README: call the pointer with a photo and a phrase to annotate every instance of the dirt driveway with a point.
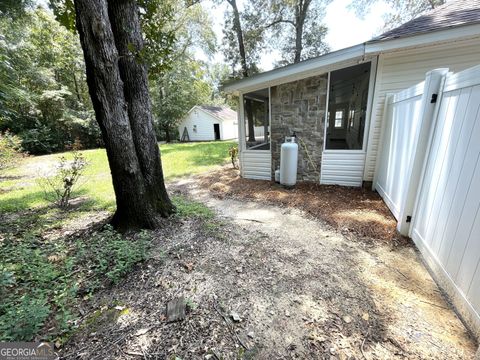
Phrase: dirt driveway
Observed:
(265, 282)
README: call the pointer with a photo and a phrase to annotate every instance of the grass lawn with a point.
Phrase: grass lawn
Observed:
(19, 189)
(51, 260)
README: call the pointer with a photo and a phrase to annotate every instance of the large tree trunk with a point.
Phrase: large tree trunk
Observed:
(127, 33)
(134, 206)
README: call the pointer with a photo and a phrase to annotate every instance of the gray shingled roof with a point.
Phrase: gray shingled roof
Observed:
(222, 112)
(452, 14)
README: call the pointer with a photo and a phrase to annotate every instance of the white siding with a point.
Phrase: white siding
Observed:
(229, 130)
(342, 168)
(204, 124)
(402, 69)
(256, 164)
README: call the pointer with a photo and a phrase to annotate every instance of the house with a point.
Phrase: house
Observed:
(206, 123)
(334, 103)
(401, 111)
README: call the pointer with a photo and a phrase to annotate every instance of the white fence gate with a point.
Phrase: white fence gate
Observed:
(429, 172)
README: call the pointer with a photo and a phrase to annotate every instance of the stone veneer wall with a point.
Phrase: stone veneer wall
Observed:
(300, 106)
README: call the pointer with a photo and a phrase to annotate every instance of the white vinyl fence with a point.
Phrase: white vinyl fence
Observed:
(428, 172)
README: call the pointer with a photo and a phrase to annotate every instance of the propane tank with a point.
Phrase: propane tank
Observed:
(288, 161)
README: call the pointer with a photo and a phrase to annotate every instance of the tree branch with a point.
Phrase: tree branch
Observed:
(276, 22)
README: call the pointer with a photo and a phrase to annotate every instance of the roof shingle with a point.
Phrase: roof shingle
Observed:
(451, 14)
(222, 112)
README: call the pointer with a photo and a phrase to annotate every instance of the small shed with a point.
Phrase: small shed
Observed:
(206, 123)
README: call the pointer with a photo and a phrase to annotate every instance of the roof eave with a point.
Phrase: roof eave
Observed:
(423, 39)
(295, 71)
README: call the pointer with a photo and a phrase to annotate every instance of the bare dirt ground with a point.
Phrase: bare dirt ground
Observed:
(353, 211)
(267, 281)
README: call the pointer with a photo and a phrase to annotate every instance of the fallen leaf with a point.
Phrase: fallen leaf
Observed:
(141, 332)
(365, 316)
(347, 319)
(188, 266)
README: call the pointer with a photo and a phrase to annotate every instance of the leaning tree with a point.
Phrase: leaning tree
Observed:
(111, 38)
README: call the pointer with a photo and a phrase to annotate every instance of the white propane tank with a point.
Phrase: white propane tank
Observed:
(288, 161)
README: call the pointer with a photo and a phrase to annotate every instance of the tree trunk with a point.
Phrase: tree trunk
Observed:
(167, 134)
(134, 208)
(300, 15)
(77, 91)
(243, 59)
(250, 120)
(127, 33)
(238, 29)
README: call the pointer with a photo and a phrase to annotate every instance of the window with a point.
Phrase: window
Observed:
(339, 119)
(256, 119)
(347, 105)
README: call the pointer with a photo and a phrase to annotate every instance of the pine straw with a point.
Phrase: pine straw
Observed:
(352, 211)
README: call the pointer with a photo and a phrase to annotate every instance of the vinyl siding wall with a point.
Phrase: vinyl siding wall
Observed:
(228, 130)
(402, 69)
(256, 164)
(204, 123)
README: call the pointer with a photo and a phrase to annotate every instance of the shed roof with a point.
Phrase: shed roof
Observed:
(221, 112)
(449, 15)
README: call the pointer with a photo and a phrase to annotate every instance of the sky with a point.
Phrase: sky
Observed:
(344, 27)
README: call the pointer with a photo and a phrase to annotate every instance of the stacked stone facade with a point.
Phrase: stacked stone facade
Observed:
(300, 107)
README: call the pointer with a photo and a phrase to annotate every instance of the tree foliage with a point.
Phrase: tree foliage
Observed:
(243, 39)
(186, 83)
(299, 27)
(43, 95)
(401, 11)
(157, 19)
(176, 93)
(293, 27)
(14, 8)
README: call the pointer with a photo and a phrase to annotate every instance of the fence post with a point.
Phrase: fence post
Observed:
(431, 97)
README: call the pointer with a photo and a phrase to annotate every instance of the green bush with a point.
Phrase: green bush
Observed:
(39, 140)
(59, 187)
(10, 149)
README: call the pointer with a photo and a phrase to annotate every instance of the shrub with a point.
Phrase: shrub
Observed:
(59, 187)
(10, 149)
(233, 152)
(39, 140)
